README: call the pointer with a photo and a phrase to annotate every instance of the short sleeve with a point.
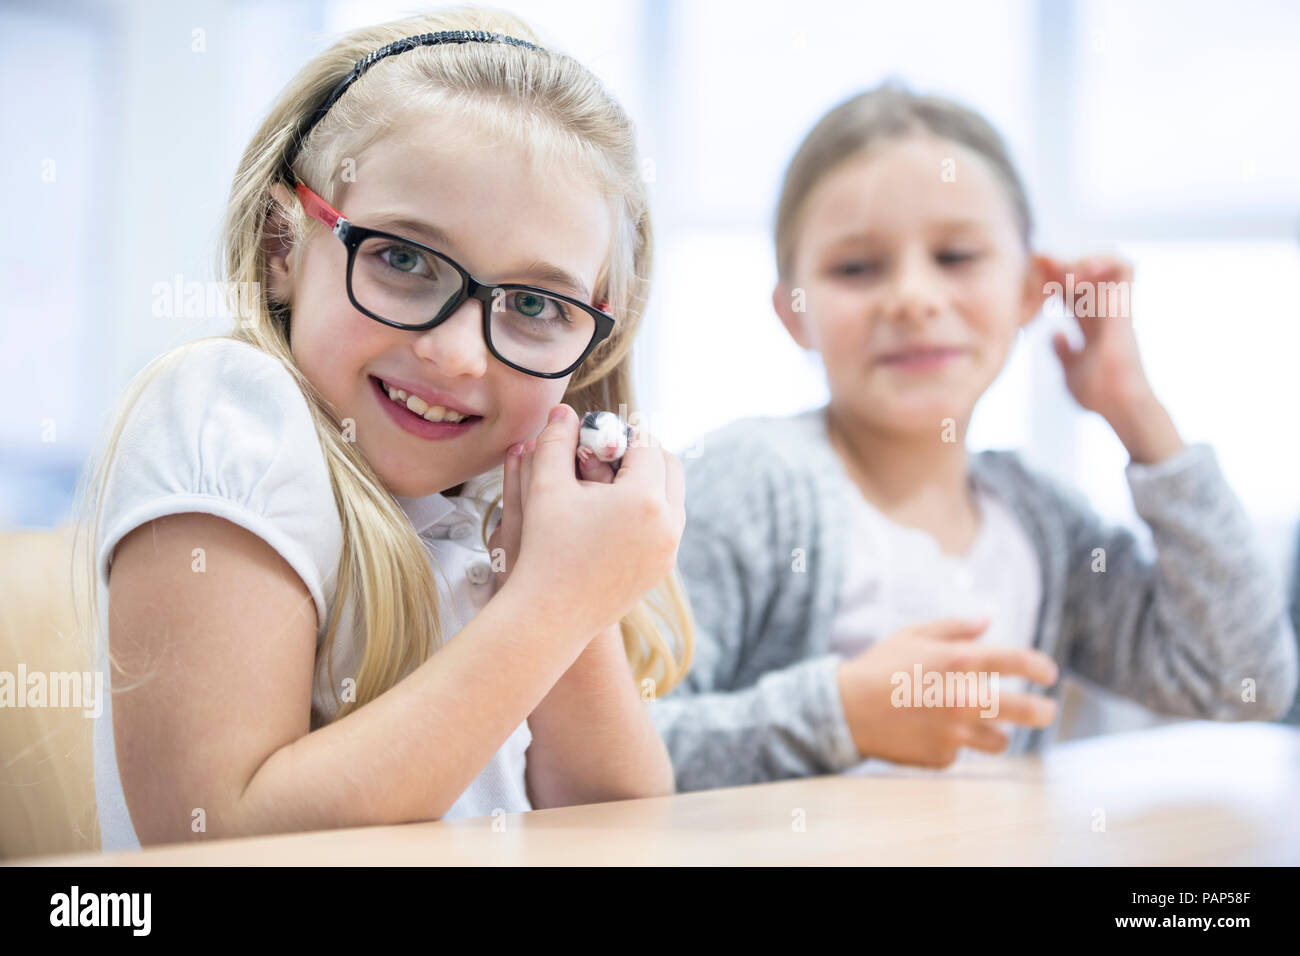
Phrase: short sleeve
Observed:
(223, 429)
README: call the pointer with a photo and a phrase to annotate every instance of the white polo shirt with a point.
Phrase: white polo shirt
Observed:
(225, 430)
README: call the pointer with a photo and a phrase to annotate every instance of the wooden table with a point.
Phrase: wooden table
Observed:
(1193, 793)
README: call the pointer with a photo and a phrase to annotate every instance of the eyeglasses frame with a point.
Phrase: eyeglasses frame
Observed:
(352, 235)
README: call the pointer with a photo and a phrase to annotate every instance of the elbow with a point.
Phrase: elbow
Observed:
(667, 775)
(658, 781)
(667, 785)
(1278, 688)
(202, 823)
(1279, 677)
(662, 783)
(1265, 688)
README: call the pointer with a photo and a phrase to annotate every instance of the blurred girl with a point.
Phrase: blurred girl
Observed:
(851, 556)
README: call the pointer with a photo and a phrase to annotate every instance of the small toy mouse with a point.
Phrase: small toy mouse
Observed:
(603, 436)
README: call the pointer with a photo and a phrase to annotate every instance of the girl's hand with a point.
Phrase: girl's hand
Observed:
(933, 736)
(507, 533)
(590, 549)
(1106, 375)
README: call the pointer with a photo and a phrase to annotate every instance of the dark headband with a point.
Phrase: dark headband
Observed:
(397, 46)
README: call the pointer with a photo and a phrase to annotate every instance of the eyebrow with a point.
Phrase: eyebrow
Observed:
(946, 225)
(539, 270)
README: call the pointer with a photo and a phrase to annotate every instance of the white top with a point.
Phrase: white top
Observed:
(225, 430)
(896, 576)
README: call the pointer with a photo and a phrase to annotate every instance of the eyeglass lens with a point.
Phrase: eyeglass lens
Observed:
(409, 286)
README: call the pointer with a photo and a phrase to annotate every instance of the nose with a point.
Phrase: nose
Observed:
(456, 344)
(913, 294)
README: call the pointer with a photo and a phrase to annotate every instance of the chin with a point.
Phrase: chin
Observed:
(911, 416)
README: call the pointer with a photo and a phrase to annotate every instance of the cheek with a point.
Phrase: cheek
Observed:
(331, 341)
(523, 402)
(843, 327)
(332, 344)
(991, 307)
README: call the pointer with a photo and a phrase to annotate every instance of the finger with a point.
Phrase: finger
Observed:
(1015, 661)
(640, 438)
(1061, 346)
(1030, 710)
(526, 465)
(509, 530)
(984, 735)
(556, 447)
(1051, 270)
(949, 628)
(512, 497)
(1109, 268)
(643, 462)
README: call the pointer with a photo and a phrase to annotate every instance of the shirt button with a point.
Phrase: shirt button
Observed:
(462, 530)
(479, 572)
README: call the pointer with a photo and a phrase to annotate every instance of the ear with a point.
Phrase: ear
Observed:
(783, 303)
(1039, 270)
(278, 245)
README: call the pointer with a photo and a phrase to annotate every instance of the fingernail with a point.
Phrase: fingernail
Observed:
(557, 413)
(514, 450)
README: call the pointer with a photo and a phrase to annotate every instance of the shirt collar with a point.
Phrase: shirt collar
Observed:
(427, 511)
(437, 508)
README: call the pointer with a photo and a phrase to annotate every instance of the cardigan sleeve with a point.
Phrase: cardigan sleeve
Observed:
(734, 559)
(1201, 630)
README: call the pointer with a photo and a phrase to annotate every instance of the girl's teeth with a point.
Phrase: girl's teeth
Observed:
(434, 413)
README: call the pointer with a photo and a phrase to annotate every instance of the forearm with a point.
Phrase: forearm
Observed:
(408, 754)
(1146, 429)
(592, 738)
(790, 724)
(1182, 633)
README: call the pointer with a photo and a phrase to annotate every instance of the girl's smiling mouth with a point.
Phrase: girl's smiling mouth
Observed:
(921, 358)
(424, 425)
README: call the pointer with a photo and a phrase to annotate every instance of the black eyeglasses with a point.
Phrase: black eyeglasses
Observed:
(401, 282)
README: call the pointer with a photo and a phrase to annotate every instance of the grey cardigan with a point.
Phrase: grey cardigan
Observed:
(761, 699)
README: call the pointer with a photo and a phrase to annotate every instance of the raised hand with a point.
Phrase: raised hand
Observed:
(1106, 375)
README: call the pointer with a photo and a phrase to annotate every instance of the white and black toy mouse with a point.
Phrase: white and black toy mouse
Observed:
(604, 437)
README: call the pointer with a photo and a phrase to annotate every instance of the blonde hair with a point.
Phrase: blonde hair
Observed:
(556, 109)
(861, 122)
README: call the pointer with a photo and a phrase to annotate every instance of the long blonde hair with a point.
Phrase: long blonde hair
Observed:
(553, 107)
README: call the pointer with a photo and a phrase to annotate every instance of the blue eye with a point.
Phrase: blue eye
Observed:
(543, 308)
(405, 259)
(530, 305)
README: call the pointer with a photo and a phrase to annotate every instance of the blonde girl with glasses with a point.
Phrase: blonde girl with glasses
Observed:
(292, 522)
